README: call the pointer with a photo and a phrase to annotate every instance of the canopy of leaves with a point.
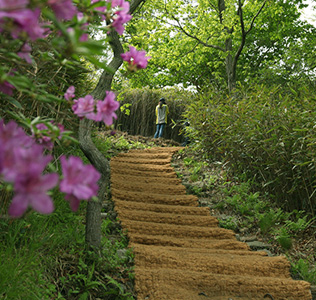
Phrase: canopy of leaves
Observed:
(187, 41)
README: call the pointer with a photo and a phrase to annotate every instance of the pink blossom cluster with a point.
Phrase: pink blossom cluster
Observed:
(22, 163)
(120, 15)
(80, 181)
(136, 59)
(97, 110)
(6, 87)
(23, 23)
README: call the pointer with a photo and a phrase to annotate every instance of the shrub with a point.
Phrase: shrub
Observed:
(267, 134)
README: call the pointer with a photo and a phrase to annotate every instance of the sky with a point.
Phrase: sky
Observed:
(308, 13)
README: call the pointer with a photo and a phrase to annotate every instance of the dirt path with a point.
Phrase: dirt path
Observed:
(180, 252)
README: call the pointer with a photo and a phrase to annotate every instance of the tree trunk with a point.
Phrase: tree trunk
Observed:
(97, 159)
(93, 215)
(229, 62)
(230, 70)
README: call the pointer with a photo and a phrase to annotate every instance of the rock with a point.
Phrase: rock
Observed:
(248, 239)
(121, 253)
(256, 245)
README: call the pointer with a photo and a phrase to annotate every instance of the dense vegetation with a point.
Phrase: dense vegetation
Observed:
(241, 72)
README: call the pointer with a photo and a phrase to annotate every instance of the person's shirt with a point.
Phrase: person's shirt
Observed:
(161, 114)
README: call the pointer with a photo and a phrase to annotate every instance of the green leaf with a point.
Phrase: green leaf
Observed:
(14, 102)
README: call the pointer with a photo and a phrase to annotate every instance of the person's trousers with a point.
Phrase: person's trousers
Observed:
(159, 130)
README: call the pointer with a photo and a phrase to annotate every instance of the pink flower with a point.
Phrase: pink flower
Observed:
(43, 136)
(85, 36)
(31, 190)
(25, 53)
(136, 59)
(61, 130)
(13, 141)
(70, 93)
(22, 163)
(120, 19)
(6, 88)
(122, 4)
(121, 16)
(13, 4)
(24, 21)
(102, 9)
(25, 162)
(79, 182)
(106, 108)
(46, 136)
(63, 9)
(84, 107)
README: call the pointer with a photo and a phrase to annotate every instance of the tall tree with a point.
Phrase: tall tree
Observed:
(205, 41)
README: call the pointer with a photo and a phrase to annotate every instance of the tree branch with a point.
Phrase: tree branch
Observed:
(195, 37)
(243, 31)
(255, 17)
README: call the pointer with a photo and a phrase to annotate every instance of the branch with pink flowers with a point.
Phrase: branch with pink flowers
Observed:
(24, 157)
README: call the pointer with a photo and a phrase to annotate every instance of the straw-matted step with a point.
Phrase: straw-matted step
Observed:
(141, 167)
(164, 208)
(141, 173)
(147, 180)
(180, 252)
(171, 241)
(167, 284)
(142, 160)
(158, 188)
(148, 197)
(177, 230)
(213, 263)
(157, 217)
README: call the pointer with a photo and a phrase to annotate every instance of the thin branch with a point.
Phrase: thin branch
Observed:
(195, 37)
(255, 17)
(190, 51)
(243, 31)
(213, 6)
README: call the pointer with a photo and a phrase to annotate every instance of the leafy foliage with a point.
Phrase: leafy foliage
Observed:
(188, 43)
(267, 134)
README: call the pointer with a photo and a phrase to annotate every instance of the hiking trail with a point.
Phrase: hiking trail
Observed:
(180, 251)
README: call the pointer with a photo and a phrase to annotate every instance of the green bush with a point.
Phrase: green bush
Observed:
(265, 133)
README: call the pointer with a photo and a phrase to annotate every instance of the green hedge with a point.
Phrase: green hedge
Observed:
(268, 134)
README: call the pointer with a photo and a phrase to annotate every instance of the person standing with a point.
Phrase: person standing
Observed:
(162, 112)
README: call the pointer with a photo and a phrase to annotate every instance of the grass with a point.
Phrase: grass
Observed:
(30, 248)
(44, 257)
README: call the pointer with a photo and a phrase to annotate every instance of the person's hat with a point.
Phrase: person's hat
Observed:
(162, 100)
